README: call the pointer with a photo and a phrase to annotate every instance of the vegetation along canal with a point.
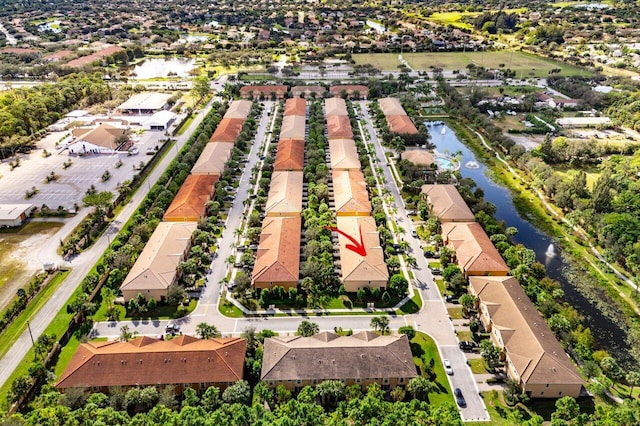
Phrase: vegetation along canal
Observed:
(606, 333)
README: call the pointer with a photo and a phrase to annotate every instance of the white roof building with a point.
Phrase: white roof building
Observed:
(14, 214)
(145, 103)
(161, 120)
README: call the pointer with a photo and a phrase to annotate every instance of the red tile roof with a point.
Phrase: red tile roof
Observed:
(189, 204)
(295, 106)
(228, 130)
(148, 362)
(290, 155)
(339, 127)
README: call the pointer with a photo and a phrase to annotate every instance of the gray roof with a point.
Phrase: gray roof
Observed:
(327, 356)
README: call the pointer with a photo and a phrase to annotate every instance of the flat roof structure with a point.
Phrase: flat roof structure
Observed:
(327, 356)
(228, 130)
(447, 204)
(350, 193)
(278, 256)
(156, 267)
(419, 157)
(290, 155)
(14, 214)
(391, 106)
(344, 154)
(293, 127)
(213, 159)
(238, 109)
(190, 203)
(583, 121)
(160, 120)
(145, 102)
(339, 127)
(401, 124)
(295, 106)
(475, 253)
(335, 106)
(285, 194)
(358, 271)
(145, 361)
(534, 356)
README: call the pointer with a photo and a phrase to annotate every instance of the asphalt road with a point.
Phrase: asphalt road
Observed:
(83, 263)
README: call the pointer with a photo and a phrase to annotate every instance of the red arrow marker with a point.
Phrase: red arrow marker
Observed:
(355, 247)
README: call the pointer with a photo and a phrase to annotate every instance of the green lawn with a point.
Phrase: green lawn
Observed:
(228, 309)
(17, 327)
(441, 286)
(465, 335)
(424, 349)
(477, 366)
(186, 125)
(453, 19)
(161, 312)
(412, 306)
(521, 63)
(455, 313)
(382, 61)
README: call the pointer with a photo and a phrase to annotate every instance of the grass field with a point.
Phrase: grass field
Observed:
(521, 63)
(424, 349)
(382, 61)
(453, 19)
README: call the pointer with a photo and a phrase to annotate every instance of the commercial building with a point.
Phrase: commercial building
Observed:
(361, 359)
(14, 214)
(145, 103)
(161, 120)
(181, 362)
(103, 139)
(278, 256)
(157, 266)
(533, 355)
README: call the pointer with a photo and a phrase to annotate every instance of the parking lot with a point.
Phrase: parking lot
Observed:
(73, 181)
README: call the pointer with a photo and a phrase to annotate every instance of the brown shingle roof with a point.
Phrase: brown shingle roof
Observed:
(295, 106)
(391, 106)
(344, 154)
(350, 89)
(339, 127)
(238, 109)
(475, 252)
(228, 130)
(213, 158)
(355, 267)
(148, 362)
(335, 106)
(156, 266)
(278, 256)
(189, 204)
(327, 356)
(104, 135)
(285, 194)
(419, 157)
(531, 346)
(401, 124)
(290, 155)
(293, 127)
(447, 203)
(350, 193)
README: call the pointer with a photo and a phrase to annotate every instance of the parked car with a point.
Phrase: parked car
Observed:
(466, 345)
(172, 328)
(436, 271)
(459, 398)
(451, 299)
(414, 233)
(447, 367)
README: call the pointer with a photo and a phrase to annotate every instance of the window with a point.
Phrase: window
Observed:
(401, 380)
(298, 382)
(547, 385)
(385, 380)
(358, 380)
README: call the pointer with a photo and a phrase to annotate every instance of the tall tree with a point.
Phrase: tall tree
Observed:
(307, 328)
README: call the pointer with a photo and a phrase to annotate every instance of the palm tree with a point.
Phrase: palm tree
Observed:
(307, 329)
(207, 331)
(380, 324)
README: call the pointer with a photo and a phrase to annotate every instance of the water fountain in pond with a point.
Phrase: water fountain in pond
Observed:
(551, 251)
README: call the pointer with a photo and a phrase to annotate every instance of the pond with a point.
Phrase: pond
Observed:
(163, 67)
(604, 331)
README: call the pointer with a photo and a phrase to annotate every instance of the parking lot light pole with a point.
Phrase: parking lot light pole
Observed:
(30, 334)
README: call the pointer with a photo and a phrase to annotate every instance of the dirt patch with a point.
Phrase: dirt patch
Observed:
(18, 256)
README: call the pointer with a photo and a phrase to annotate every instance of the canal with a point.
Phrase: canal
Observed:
(606, 333)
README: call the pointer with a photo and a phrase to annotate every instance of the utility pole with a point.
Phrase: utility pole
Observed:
(30, 334)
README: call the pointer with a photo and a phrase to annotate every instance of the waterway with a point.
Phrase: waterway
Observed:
(606, 333)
